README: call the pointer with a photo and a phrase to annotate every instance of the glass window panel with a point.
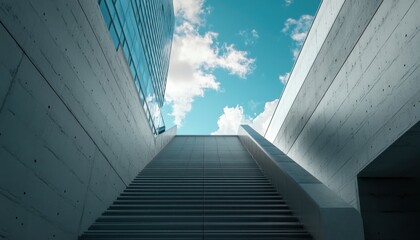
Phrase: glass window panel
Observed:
(126, 50)
(114, 36)
(105, 13)
(133, 70)
(145, 80)
(141, 95)
(137, 84)
(144, 37)
(111, 8)
(122, 38)
(118, 26)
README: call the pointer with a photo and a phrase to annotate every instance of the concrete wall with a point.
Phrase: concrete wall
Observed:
(72, 131)
(325, 215)
(321, 26)
(361, 92)
(389, 190)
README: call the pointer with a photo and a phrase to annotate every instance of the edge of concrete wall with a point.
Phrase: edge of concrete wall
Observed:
(317, 34)
(321, 211)
(163, 139)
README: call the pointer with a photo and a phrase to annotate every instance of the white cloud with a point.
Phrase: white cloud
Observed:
(230, 120)
(194, 57)
(189, 10)
(284, 78)
(249, 37)
(260, 123)
(235, 61)
(298, 29)
(233, 117)
(288, 2)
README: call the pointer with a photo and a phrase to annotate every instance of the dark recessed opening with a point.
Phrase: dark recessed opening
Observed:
(389, 190)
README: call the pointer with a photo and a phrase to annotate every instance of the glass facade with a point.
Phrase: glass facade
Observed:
(143, 29)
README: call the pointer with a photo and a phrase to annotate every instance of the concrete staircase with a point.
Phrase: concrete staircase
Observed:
(199, 187)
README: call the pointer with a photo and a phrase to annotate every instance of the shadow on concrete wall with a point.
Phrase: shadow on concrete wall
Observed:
(389, 190)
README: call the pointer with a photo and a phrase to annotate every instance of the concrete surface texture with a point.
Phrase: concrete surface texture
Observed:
(389, 190)
(325, 215)
(73, 134)
(358, 95)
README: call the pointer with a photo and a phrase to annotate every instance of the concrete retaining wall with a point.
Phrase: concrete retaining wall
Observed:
(72, 131)
(361, 94)
(323, 213)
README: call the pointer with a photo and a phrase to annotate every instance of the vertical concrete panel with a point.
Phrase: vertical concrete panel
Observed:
(369, 107)
(10, 58)
(71, 125)
(350, 23)
(22, 223)
(28, 191)
(372, 99)
(37, 175)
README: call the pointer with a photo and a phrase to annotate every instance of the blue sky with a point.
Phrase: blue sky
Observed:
(230, 61)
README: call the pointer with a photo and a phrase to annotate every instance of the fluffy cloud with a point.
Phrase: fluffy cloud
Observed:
(195, 56)
(249, 37)
(230, 120)
(260, 123)
(297, 29)
(233, 117)
(189, 10)
(284, 78)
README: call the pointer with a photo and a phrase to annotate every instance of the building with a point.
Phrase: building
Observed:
(144, 30)
(77, 121)
(350, 111)
(79, 131)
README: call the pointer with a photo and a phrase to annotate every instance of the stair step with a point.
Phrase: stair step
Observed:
(194, 225)
(231, 201)
(199, 206)
(220, 218)
(198, 211)
(199, 235)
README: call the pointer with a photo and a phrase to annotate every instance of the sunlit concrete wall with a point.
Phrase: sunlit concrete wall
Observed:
(72, 131)
(354, 90)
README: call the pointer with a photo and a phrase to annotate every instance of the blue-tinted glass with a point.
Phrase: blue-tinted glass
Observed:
(144, 80)
(144, 28)
(133, 70)
(141, 95)
(136, 46)
(137, 84)
(118, 27)
(105, 13)
(111, 8)
(122, 6)
(114, 36)
(126, 51)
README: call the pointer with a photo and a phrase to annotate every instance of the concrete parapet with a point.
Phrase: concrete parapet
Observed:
(324, 214)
